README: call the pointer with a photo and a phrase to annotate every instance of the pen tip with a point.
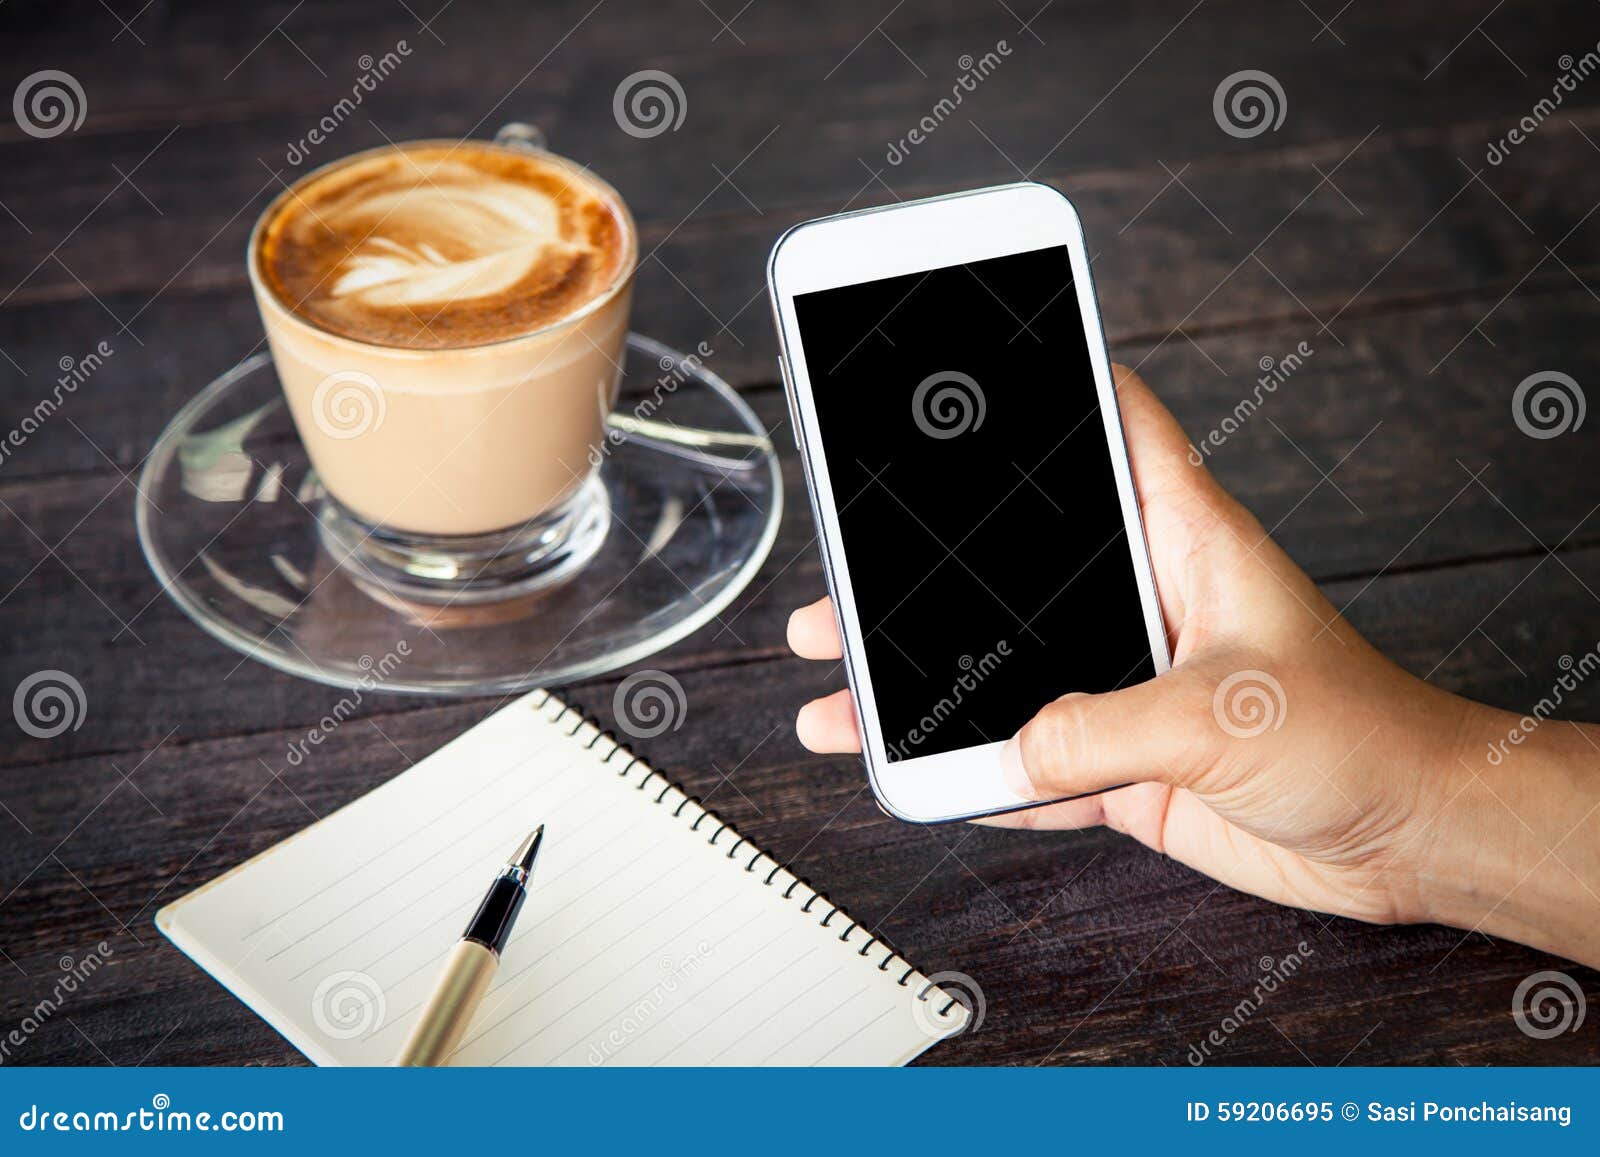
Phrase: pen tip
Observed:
(528, 850)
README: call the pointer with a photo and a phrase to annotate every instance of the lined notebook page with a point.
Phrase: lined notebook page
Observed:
(652, 933)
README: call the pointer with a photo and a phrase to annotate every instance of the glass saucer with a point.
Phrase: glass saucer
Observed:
(227, 516)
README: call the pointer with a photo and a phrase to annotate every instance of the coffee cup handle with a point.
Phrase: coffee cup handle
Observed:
(698, 446)
(521, 135)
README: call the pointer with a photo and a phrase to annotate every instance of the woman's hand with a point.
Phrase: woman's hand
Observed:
(1282, 754)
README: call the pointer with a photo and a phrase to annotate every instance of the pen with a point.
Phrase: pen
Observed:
(472, 962)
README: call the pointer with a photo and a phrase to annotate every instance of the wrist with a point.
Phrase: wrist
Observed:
(1432, 863)
(1512, 841)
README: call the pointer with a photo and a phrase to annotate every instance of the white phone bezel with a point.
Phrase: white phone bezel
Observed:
(912, 237)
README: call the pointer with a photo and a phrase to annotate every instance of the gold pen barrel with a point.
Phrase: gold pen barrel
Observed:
(450, 1009)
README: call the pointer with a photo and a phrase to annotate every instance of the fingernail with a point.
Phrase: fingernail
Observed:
(1011, 769)
(803, 727)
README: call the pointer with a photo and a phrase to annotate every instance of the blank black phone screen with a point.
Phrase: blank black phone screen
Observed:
(958, 414)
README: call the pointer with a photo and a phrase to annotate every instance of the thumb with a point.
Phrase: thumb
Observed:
(1159, 731)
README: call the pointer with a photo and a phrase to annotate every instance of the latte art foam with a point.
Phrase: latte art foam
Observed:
(440, 247)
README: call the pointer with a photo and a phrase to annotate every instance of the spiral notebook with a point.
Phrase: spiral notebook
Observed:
(653, 934)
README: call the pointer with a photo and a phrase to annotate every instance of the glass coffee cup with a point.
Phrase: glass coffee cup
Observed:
(448, 320)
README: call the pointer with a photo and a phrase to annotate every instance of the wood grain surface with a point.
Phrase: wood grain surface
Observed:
(1369, 225)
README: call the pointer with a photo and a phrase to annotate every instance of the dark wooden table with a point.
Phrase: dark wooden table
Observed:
(1370, 224)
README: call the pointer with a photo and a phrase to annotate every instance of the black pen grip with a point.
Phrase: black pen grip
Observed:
(491, 926)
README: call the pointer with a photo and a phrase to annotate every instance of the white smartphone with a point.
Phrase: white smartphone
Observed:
(953, 403)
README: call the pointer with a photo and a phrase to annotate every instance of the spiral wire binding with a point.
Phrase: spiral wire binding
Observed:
(615, 746)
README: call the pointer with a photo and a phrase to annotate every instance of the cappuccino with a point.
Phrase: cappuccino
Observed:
(443, 247)
(448, 321)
